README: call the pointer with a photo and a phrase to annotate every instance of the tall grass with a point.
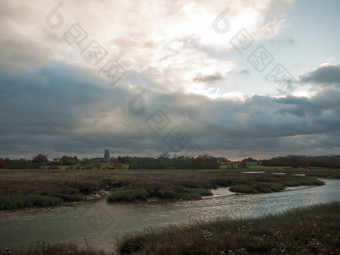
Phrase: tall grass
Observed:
(39, 199)
(260, 187)
(168, 193)
(54, 249)
(127, 195)
(312, 230)
(27, 200)
(67, 195)
(267, 185)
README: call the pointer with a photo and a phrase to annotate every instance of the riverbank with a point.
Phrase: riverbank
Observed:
(313, 230)
(46, 187)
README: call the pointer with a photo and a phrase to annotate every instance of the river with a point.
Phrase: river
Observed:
(102, 224)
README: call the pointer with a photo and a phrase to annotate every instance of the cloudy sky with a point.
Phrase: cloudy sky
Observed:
(226, 78)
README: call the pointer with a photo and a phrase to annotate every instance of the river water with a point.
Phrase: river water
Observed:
(101, 224)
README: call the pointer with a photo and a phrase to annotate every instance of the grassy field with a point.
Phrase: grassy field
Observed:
(314, 230)
(252, 166)
(47, 187)
(313, 171)
(89, 166)
(258, 167)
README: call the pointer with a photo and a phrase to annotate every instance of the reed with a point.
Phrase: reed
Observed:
(312, 230)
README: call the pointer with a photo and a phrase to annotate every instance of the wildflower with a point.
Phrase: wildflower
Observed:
(230, 252)
(207, 234)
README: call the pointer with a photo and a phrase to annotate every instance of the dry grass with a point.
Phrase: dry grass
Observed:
(313, 230)
(55, 249)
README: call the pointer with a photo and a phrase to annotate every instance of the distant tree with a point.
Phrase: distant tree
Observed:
(40, 158)
(164, 155)
(113, 160)
(295, 163)
(249, 160)
(222, 159)
(2, 163)
(199, 162)
(243, 165)
(65, 160)
(119, 158)
(85, 161)
(304, 164)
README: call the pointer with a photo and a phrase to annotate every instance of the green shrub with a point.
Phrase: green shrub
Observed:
(166, 194)
(175, 192)
(67, 195)
(17, 201)
(268, 187)
(259, 187)
(127, 195)
(243, 188)
(203, 192)
(180, 192)
(311, 181)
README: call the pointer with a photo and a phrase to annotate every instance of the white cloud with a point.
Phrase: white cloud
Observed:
(165, 40)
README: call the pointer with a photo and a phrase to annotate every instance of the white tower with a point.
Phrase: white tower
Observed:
(107, 156)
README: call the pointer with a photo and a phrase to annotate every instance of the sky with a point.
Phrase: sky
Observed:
(140, 77)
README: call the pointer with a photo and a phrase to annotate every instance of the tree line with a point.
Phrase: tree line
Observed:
(164, 161)
(301, 161)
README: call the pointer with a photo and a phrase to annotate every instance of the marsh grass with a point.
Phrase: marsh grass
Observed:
(39, 199)
(312, 230)
(67, 195)
(133, 185)
(267, 185)
(193, 187)
(54, 249)
(127, 195)
(260, 187)
(176, 192)
(17, 201)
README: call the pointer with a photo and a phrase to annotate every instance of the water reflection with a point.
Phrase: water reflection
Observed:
(253, 172)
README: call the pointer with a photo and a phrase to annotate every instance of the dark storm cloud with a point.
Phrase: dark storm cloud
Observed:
(50, 102)
(325, 100)
(258, 117)
(324, 75)
(60, 110)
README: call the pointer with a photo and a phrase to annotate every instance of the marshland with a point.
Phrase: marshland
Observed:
(198, 211)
